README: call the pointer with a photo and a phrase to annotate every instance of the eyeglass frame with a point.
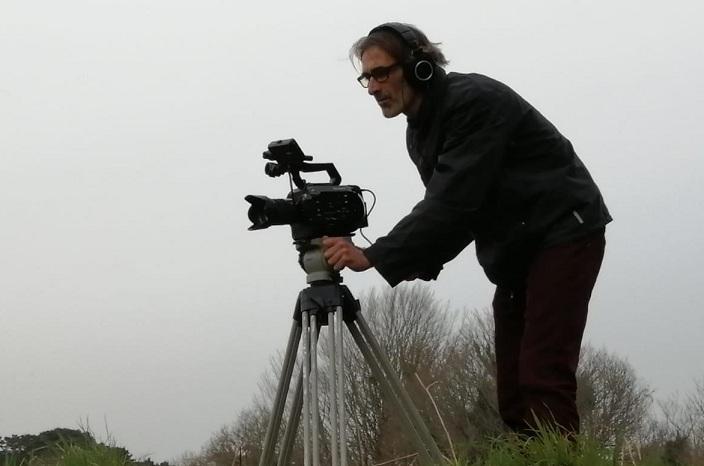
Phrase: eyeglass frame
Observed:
(380, 74)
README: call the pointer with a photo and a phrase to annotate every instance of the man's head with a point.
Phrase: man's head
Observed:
(398, 63)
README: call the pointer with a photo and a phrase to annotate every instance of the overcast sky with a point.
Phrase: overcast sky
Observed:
(131, 293)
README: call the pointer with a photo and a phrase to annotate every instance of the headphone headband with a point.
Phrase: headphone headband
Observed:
(407, 35)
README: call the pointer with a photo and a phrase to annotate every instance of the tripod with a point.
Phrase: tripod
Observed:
(326, 302)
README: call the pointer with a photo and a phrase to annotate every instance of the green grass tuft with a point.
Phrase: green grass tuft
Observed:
(97, 454)
(549, 448)
(69, 453)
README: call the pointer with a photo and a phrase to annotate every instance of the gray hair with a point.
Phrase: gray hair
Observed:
(394, 45)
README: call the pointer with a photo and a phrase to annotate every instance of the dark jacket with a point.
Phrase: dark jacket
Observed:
(496, 171)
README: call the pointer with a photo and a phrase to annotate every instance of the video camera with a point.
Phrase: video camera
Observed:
(313, 209)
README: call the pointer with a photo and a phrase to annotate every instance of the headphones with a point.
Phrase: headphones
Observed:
(420, 68)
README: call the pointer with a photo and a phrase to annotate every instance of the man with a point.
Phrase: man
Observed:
(498, 173)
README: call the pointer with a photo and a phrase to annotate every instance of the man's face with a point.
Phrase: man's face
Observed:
(393, 94)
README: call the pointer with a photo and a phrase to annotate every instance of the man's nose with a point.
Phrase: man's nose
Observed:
(373, 86)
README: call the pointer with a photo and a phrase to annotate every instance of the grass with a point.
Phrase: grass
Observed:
(97, 454)
(65, 453)
(549, 448)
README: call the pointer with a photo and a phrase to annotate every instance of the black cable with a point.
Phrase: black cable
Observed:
(367, 213)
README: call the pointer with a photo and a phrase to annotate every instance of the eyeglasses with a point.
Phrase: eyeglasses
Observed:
(380, 74)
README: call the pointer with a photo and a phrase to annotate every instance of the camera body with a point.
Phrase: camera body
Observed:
(313, 209)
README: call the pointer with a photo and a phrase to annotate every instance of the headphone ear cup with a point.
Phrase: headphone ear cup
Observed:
(423, 70)
(419, 71)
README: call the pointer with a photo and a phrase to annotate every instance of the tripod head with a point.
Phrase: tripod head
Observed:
(312, 259)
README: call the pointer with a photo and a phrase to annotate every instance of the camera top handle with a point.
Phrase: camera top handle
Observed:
(288, 157)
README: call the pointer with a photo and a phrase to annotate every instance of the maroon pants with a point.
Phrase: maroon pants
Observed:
(539, 328)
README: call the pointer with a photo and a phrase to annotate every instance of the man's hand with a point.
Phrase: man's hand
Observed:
(341, 253)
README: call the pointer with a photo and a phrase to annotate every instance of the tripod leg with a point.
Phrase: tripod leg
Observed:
(278, 408)
(294, 419)
(333, 387)
(390, 392)
(405, 399)
(341, 386)
(315, 418)
(305, 317)
(289, 437)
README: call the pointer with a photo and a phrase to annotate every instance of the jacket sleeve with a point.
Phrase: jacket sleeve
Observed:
(440, 225)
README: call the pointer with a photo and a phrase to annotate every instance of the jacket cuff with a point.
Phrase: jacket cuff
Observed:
(374, 256)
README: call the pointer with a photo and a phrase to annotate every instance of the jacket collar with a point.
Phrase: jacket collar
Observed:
(431, 98)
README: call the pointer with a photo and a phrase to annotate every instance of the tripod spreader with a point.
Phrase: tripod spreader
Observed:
(322, 298)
